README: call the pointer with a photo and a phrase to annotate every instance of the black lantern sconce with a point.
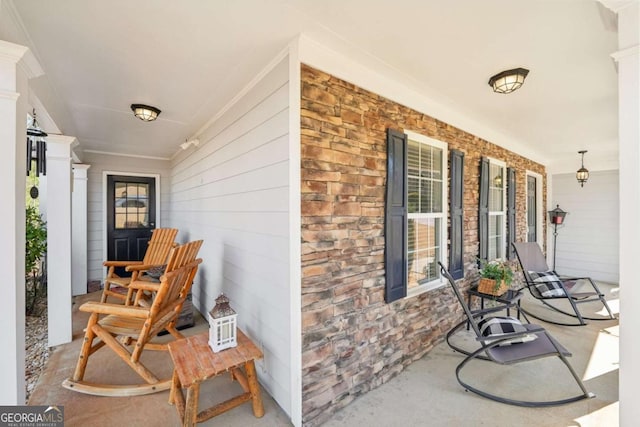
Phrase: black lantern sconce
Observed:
(556, 218)
(582, 175)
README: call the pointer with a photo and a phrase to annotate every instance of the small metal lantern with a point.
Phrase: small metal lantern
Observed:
(222, 325)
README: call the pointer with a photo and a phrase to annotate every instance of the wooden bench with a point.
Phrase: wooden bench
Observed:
(194, 362)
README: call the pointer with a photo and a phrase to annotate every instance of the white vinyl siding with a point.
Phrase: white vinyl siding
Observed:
(588, 240)
(95, 209)
(232, 191)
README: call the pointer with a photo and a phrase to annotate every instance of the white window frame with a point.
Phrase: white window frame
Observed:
(539, 212)
(503, 213)
(444, 215)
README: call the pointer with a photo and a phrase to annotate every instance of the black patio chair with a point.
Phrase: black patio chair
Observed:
(547, 286)
(506, 341)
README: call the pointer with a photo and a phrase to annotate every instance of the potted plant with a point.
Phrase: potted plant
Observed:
(496, 277)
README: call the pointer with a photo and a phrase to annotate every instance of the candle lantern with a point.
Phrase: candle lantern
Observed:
(222, 325)
(556, 218)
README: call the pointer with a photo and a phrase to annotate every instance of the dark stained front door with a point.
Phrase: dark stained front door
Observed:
(131, 217)
(532, 203)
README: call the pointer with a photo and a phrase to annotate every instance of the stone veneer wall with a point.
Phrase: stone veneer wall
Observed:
(352, 341)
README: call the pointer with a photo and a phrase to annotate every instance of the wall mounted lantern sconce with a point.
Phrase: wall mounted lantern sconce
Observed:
(582, 175)
(508, 81)
(145, 113)
(556, 218)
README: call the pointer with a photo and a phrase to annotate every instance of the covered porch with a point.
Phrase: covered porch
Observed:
(265, 152)
(425, 393)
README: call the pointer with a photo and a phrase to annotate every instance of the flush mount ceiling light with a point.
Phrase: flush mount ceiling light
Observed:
(145, 113)
(508, 81)
(582, 175)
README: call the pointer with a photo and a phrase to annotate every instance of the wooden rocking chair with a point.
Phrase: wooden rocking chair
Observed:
(160, 244)
(129, 330)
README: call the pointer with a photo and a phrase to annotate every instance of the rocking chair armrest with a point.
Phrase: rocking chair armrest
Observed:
(120, 263)
(505, 337)
(143, 285)
(139, 267)
(117, 309)
(565, 278)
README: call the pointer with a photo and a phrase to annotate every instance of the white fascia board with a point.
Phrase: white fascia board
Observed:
(381, 78)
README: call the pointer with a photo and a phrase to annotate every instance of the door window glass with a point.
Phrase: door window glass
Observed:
(131, 205)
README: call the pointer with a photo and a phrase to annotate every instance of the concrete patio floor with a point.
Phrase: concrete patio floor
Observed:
(424, 394)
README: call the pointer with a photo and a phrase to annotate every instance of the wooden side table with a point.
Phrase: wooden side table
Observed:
(194, 362)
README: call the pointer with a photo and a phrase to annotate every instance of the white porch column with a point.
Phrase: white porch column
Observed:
(628, 59)
(79, 230)
(59, 179)
(16, 67)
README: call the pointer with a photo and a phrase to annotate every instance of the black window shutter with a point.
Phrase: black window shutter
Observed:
(456, 233)
(483, 211)
(395, 228)
(511, 211)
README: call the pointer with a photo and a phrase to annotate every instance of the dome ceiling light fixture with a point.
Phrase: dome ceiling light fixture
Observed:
(508, 81)
(146, 113)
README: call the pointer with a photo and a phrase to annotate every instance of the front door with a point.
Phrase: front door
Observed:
(131, 217)
(532, 208)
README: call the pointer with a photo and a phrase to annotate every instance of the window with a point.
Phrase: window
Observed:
(426, 220)
(497, 210)
(415, 213)
(131, 205)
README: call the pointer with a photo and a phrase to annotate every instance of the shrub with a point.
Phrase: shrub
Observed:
(35, 248)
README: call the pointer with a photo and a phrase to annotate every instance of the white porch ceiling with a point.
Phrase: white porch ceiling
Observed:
(189, 58)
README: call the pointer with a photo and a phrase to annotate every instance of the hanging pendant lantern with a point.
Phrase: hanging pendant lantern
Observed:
(582, 175)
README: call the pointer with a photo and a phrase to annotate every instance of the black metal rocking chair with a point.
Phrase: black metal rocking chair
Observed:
(546, 285)
(506, 341)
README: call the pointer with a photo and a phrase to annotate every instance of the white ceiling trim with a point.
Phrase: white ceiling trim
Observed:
(624, 53)
(29, 63)
(382, 79)
(11, 51)
(617, 5)
(42, 115)
(5, 94)
(138, 156)
(266, 70)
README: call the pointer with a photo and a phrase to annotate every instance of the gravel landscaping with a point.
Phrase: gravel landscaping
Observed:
(37, 351)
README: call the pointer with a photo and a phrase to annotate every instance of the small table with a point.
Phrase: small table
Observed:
(510, 298)
(194, 362)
